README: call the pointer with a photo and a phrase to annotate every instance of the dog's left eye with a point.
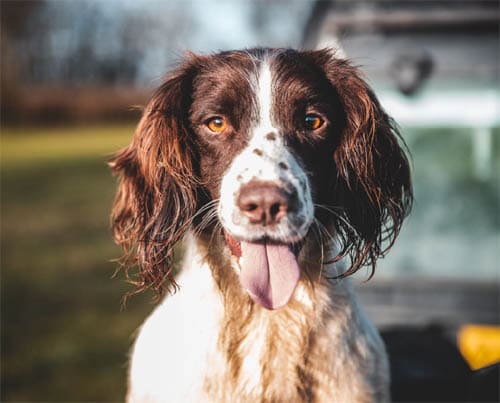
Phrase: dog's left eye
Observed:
(217, 124)
(313, 121)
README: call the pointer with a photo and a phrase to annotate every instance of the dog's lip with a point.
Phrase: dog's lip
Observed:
(234, 244)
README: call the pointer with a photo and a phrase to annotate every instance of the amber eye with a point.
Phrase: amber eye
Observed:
(313, 121)
(217, 124)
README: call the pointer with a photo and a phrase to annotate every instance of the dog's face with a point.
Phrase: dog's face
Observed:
(265, 143)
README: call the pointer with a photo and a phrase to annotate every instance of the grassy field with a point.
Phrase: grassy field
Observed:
(64, 334)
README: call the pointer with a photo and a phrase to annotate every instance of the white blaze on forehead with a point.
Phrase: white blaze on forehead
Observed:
(264, 99)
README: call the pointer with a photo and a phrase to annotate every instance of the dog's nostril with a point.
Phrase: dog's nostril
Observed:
(250, 207)
(263, 203)
(275, 209)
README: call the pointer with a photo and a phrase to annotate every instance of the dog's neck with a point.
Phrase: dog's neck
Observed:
(265, 350)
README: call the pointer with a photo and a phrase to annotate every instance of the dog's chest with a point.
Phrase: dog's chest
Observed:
(238, 372)
(267, 359)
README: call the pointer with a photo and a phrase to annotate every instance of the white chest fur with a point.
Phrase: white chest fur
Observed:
(176, 345)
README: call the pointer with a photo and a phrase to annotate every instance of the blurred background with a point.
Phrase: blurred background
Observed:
(74, 75)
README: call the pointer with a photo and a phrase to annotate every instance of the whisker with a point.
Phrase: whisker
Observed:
(337, 214)
(218, 226)
(206, 221)
(205, 207)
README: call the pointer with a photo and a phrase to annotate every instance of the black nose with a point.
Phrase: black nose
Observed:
(264, 203)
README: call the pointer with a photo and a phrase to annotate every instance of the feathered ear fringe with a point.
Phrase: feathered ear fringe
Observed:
(156, 198)
(373, 183)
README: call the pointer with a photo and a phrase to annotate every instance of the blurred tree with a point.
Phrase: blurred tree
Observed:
(54, 50)
(14, 20)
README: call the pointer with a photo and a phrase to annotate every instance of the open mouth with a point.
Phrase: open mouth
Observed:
(269, 270)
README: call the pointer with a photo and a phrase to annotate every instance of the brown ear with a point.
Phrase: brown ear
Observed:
(373, 184)
(156, 197)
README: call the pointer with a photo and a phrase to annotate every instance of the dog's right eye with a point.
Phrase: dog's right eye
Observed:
(217, 124)
(313, 121)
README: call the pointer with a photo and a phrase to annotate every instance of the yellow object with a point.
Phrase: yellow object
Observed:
(479, 345)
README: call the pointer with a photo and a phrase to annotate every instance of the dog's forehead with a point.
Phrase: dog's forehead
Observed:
(256, 88)
(244, 68)
(227, 67)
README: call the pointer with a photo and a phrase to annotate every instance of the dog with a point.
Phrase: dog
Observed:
(283, 175)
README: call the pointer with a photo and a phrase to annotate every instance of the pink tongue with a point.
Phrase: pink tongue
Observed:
(269, 272)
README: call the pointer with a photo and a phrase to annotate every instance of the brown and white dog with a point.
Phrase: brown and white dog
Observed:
(274, 165)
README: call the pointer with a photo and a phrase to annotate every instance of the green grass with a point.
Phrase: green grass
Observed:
(33, 146)
(64, 335)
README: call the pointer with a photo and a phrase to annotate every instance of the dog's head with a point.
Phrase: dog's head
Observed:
(267, 144)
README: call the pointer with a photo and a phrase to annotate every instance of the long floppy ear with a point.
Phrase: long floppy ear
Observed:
(156, 197)
(373, 184)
